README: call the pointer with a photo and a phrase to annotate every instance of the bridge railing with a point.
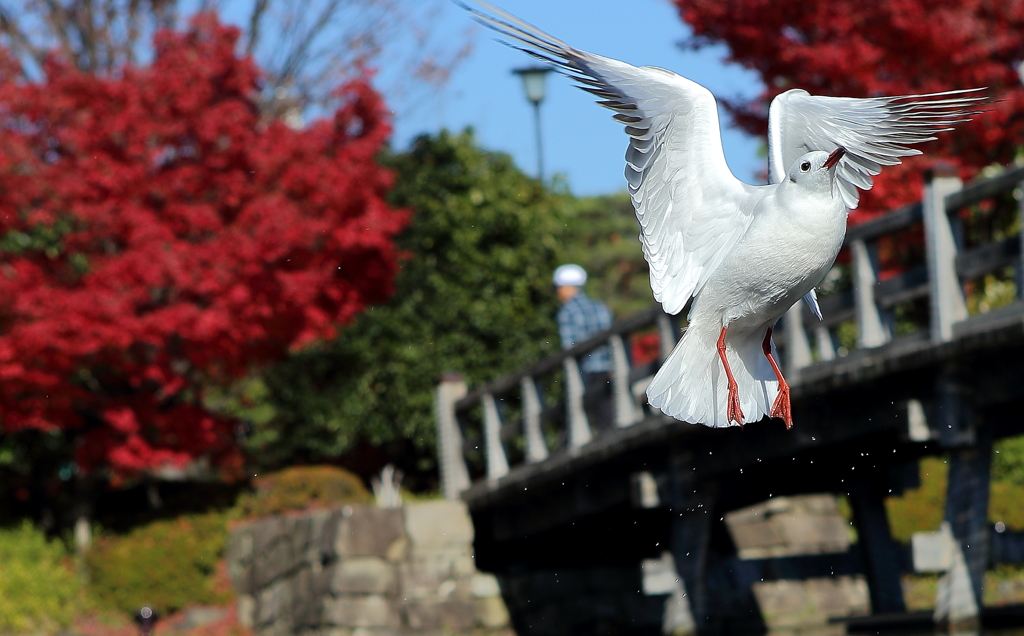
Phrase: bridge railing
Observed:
(932, 255)
(514, 416)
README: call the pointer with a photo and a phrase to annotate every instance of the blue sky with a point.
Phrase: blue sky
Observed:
(580, 140)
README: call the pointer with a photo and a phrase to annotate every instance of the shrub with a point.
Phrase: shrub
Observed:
(1004, 504)
(1008, 461)
(38, 591)
(920, 509)
(164, 564)
(300, 488)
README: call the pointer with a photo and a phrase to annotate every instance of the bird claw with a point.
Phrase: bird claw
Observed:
(734, 412)
(781, 408)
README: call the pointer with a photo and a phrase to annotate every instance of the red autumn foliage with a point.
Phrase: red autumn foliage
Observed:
(158, 237)
(890, 47)
(645, 348)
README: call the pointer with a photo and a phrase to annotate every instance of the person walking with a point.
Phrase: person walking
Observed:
(579, 318)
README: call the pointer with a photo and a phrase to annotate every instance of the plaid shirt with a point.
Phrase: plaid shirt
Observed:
(579, 319)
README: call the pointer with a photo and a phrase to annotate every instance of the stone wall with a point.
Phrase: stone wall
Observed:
(364, 571)
(793, 526)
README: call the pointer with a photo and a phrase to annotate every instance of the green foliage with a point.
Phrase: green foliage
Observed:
(601, 235)
(38, 591)
(1008, 461)
(921, 509)
(1004, 504)
(473, 295)
(300, 488)
(165, 564)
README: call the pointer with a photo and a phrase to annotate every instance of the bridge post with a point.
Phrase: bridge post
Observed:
(451, 463)
(958, 598)
(575, 414)
(622, 393)
(871, 331)
(497, 462)
(536, 449)
(721, 597)
(798, 349)
(881, 553)
(823, 340)
(946, 296)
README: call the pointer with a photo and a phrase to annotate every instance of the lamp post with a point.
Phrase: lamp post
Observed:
(533, 84)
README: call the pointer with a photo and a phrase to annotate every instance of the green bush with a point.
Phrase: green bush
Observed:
(299, 488)
(921, 509)
(38, 591)
(1008, 461)
(164, 564)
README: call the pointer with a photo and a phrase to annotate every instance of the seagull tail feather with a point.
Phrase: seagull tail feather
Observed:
(691, 385)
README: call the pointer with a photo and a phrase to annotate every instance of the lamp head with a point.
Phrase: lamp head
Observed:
(533, 81)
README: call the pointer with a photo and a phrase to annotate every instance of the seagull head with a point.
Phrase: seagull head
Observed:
(815, 170)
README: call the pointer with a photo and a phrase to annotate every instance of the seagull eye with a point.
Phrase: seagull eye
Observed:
(805, 166)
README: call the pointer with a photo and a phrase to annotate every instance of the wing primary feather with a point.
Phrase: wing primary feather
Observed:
(627, 119)
(616, 105)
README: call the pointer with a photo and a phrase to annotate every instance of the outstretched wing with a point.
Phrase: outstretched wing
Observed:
(692, 210)
(875, 131)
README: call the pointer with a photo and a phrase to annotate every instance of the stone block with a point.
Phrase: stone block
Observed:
(758, 534)
(435, 524)
(777, 505)
(364, 575)
(280, 627)
(423, 577)
(274, 603)
(817, 504)
(307, 607)
(239, 557)
(360, 611)
(813, 533)
(812, 602)
(785, 605)
(247, 610)
(379, 631)
(265, 533)
(368, 531)
(839, 596)
(484, 585)
(491, 612)
(454, 615)
(240, 546)
(273, 562)
(421, 615)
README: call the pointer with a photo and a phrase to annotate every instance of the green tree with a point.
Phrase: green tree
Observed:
(473, 295)
(601, 235)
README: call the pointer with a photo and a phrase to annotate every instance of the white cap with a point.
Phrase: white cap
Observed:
(570, 276)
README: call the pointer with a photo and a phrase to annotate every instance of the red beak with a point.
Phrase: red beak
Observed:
(834, 158)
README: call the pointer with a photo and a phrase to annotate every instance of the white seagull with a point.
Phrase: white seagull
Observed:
(745, 254)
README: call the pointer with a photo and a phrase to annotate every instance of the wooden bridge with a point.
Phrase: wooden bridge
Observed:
(925, 361)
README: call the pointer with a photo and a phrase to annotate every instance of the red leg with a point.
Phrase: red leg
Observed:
(733, 412)
(780, 408)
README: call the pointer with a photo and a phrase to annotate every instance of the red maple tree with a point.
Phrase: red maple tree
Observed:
(890, 47)
(157, 237)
